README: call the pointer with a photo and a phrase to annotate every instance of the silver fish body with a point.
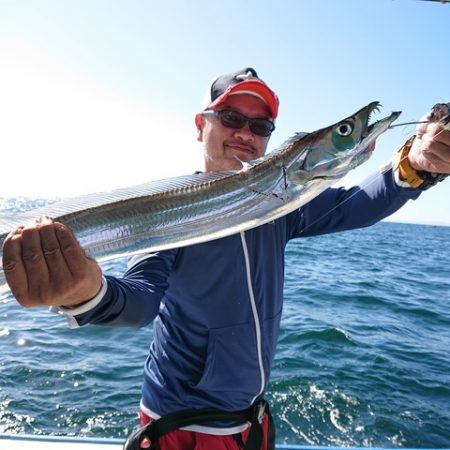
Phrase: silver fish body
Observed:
(206, 206)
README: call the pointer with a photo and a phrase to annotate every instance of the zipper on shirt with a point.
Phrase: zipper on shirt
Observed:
(255, 315)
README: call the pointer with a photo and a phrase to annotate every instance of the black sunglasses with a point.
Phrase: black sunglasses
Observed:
(233, 119)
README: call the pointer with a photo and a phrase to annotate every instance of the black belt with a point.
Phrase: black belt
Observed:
(173, 421)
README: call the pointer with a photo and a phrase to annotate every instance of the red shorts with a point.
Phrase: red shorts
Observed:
(192, 440)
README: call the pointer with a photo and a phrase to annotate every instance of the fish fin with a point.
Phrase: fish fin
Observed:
(288, 142)
(75, 204)
(246, 165)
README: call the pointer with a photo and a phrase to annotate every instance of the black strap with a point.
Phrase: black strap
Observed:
(255, 436)
(173, 421)
(271, 430)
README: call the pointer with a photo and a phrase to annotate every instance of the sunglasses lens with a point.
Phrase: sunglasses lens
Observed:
(261, 127)
(233, 119)
(236, 120)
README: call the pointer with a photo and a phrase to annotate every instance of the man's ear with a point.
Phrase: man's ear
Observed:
(200, 124)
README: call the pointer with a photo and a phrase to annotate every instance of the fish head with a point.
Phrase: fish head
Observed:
(333, 151)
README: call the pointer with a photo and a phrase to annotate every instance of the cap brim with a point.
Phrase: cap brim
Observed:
(251, 87)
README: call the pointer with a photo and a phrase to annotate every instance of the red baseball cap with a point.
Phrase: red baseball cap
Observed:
(245, 81)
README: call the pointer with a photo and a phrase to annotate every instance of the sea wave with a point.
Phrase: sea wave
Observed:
(362, 356)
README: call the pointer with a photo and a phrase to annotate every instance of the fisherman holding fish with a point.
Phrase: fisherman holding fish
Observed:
(215, 306)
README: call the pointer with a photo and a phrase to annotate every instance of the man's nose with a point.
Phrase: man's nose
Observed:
(245, 133)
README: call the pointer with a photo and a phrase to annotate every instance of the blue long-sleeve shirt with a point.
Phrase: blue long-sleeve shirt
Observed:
(216, 306)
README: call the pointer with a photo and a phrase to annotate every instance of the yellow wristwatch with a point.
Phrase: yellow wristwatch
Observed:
(419, 179)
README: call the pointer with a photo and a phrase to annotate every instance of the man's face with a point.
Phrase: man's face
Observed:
(224, 147)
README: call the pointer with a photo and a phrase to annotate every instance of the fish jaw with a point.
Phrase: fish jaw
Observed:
(367, 145)
(343, 146)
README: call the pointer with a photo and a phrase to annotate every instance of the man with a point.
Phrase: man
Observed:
(215, 306)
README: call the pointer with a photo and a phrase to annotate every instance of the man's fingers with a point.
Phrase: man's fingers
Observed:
(433, 130)
(34, 261)
(45, 265)
(71, 250)
(86, 273)
(13, 267)
(432, 163)
(57, 266)
(434, 152)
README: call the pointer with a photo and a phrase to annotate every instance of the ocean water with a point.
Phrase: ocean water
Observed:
(363, 354)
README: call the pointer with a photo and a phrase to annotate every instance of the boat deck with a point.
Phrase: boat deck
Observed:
(29, 442)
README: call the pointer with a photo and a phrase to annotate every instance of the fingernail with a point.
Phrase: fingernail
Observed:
(59, 228)
(17, 231)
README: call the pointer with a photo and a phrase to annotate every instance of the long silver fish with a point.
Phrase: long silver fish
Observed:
(197, 208)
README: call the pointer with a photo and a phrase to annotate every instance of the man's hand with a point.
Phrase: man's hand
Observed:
(45, 265)
(430, 150)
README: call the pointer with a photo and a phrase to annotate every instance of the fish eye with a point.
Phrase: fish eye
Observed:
(344, 128)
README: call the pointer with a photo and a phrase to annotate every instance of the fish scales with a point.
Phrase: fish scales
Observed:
(193, 209)
(169, 213)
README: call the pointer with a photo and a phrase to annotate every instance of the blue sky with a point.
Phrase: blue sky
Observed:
(102, 94)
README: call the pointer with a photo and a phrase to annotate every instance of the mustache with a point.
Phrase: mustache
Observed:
(241, 144)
